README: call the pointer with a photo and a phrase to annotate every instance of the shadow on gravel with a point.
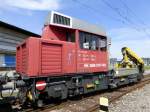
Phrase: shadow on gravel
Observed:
(5, 108)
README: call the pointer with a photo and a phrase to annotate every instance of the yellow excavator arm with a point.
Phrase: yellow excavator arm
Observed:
(130, 60)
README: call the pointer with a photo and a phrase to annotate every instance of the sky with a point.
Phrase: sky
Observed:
(126, 22)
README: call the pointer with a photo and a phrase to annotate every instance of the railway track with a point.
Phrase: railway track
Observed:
(89, 103)
(121, 92)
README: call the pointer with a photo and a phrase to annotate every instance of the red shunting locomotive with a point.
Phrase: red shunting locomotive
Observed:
(70, 58)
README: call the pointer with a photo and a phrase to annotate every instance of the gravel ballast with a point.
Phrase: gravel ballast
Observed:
(136, 101)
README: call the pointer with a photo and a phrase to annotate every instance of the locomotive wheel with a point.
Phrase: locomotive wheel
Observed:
(140, 77)
(39, 103)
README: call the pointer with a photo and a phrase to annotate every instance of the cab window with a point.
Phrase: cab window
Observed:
(92, 42)
(84, 40)
(70, 37)
(102, 44)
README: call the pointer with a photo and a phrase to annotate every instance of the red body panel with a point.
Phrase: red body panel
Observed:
(50, 56)
(51, 62)
(91, 61)
(55, 33)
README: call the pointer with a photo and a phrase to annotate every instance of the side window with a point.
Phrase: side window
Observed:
(84, 40)
(97, 43)
(102, 44)
(70, 37)
(81, 39)
(86, 44)
(92, 42)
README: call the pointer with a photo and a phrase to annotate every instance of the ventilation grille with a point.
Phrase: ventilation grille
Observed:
(61, 20)
(51, 58)
(22, 58)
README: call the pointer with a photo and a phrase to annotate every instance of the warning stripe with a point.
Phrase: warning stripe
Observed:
(43, 84)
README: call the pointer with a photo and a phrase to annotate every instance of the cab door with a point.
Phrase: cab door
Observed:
(69, 57)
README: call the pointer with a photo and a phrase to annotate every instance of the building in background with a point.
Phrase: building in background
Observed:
(10, 36)
(113, 62)
(146, 61)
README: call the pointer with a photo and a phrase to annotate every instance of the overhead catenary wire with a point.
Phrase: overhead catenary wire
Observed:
(133, 14)
(123, 19)
(96, 11)
(128, 21)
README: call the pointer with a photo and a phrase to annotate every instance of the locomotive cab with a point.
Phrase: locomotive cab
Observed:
(67, 46)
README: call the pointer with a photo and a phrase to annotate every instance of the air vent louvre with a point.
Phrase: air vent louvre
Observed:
(62, 20)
